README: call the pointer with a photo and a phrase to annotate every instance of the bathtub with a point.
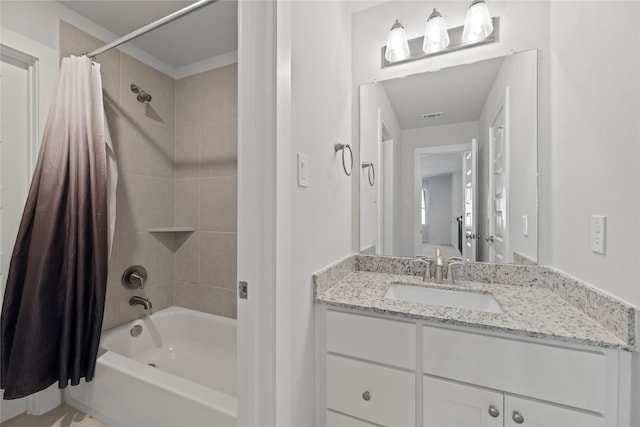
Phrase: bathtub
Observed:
(180, 371)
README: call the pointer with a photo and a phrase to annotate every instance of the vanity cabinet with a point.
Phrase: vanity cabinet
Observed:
(451, 404)
(382, 371)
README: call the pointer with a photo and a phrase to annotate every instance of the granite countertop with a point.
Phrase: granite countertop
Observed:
(528, 310)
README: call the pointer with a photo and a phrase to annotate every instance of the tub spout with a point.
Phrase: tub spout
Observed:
(137, 300)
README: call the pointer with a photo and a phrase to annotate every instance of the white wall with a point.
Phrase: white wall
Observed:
(458, 133)
(374, 103)
(439, 210)
(595, 149)
(320, 228)
(519, 74)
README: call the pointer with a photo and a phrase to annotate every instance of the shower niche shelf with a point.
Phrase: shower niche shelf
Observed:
(171, 230)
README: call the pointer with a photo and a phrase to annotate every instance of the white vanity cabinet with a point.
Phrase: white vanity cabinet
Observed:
(451, 404)
(381, 371)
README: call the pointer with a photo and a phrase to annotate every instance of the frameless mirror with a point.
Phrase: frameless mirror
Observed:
(455, 158)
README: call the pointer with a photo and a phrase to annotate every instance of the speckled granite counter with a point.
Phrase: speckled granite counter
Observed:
(532, 304)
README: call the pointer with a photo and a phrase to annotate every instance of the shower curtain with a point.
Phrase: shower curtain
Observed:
(56, 285)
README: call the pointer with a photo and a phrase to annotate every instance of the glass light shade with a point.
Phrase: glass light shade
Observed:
(436, 36)
(478, 24)
(397, 44)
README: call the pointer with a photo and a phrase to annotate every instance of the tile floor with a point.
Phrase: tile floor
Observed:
(62, 416)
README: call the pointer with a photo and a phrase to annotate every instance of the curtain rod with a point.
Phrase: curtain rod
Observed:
(149, 27)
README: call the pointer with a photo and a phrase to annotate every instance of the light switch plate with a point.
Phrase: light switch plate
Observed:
(525, 225)
(598, 233)
(303, 170)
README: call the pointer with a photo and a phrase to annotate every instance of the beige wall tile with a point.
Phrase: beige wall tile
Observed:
(187, 203)
(218, 259)
(206, 298)
(144, 202)
(187, 147)
(154, 252)
(219, 149)
(145, 147)
(190, 93)
(223, 82)
(111, 317)
(218, 204)
(187, 258)
(160, 86)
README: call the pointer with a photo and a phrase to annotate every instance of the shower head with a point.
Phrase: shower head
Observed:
(143, 96)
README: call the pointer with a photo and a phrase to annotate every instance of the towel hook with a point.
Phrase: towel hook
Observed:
(344, 147)
(371, 172)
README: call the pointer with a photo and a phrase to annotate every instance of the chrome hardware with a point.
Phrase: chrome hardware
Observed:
(493, 411)
(449, 269)
(518, 418)
(138, 300)
(366, 396)
(134, 277)
(489, 239)
(371, 172)
(344, 147)
(243, 290)
(143, 96)
(136, 330)
(469, 235)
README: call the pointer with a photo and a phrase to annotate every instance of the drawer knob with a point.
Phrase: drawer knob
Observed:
(493, 411)
(518, 418)
(366, 396)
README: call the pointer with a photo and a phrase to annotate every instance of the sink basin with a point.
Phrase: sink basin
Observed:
(445, 297)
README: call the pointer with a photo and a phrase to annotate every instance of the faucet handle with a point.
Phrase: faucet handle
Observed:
(449, 265)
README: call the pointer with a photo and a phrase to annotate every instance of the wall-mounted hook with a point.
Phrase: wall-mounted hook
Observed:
(344, 147)
(371, 172)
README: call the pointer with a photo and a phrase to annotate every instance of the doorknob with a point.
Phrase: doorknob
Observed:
(468, 235)
(489, 239)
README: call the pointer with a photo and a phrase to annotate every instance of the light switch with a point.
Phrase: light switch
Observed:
(525, 225)
(303, 170)
(598, 233)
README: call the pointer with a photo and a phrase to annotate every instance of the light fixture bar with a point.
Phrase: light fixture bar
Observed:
(455, 35)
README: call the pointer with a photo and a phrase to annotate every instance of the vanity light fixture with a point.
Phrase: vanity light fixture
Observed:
(477, 25)
(397, 45)
(436, 36)
(479, 29)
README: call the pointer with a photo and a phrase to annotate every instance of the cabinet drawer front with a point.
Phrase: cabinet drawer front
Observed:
(566, 376)
(379, 340)
(335, 419)
(539, 414)
(391, 393)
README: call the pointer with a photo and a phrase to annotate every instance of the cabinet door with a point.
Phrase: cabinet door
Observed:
(523, 412)
(450, 404)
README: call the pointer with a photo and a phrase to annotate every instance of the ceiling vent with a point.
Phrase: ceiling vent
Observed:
(431, 115)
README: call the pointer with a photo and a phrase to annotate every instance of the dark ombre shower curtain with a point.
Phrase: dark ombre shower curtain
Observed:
(55, 292)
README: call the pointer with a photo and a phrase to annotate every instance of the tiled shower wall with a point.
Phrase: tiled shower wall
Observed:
(206, 190)
(146, 143)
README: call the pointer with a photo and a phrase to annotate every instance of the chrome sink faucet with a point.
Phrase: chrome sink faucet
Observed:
(138, 300)
(438, 268)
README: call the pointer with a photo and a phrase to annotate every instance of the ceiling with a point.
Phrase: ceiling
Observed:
(458, 92)
(205, 33)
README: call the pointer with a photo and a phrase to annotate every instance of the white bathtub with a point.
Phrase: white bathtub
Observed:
(193, 382)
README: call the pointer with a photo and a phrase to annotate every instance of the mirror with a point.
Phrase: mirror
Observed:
(455, 158)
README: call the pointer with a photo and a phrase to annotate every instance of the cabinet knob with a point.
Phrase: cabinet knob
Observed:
(366, 396)
(518, 418)
(494, 412)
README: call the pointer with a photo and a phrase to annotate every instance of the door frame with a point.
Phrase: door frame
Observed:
(384, 245)
(417, 184)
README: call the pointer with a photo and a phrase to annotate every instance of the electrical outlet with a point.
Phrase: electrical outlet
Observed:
(598, 233)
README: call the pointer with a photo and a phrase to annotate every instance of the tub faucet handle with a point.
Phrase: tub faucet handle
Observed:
(134, 277)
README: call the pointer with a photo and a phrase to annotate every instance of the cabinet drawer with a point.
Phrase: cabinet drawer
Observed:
(391, 393)
(335, 419)
(539, 414)
(566, 376)
(379, 340)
